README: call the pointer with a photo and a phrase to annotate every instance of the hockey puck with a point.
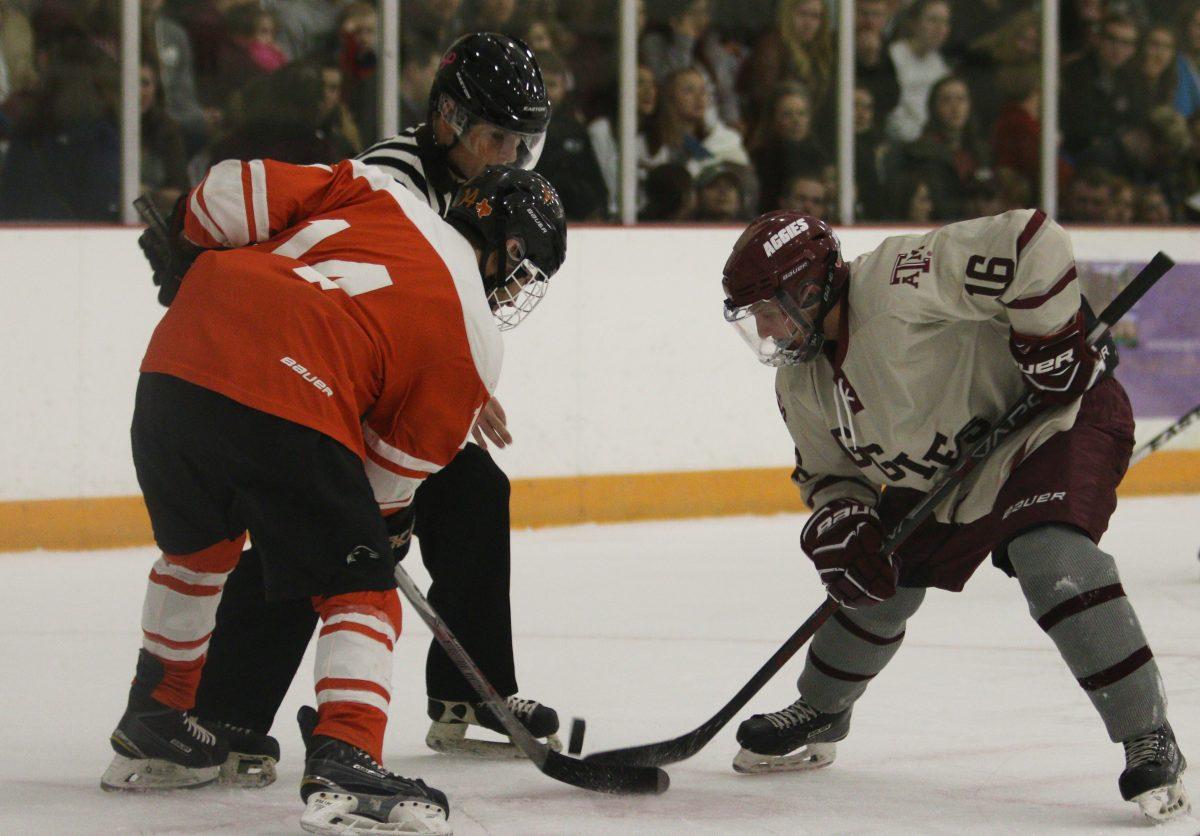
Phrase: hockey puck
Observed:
(575, 744)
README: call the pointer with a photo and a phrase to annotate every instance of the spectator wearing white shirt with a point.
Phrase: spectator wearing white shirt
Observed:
(919, 65)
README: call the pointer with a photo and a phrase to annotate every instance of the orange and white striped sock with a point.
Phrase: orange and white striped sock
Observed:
(353, 670)
(180, 612)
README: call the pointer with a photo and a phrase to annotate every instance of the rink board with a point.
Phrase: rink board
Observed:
(110, 522)
(628, 396)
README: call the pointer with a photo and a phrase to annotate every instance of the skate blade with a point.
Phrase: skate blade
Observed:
(451, 739)
(334, 813)
(247, 771)
(1165, 803)
(150, 774)
(812, 756)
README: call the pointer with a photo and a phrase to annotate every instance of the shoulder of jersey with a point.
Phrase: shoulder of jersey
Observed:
(458, 255)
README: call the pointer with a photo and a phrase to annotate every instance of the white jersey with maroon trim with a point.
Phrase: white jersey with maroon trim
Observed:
(922, 359)
(335, 298)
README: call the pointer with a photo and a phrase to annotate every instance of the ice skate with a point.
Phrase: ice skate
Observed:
(346, 791)
(1153, 775)
(158, 747)
(797, 738)
(252, 756)
(451, 719)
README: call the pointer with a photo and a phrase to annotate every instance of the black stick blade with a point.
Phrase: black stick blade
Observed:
(653, 754)
(618, 779)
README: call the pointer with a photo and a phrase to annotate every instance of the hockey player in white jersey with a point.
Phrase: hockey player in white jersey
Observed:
(887, 369)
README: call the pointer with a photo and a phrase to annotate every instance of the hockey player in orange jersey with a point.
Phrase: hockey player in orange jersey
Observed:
(332, 346)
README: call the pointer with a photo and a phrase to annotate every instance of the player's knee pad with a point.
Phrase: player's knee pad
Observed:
(889, 617)
(383, 605)
(1054, 563)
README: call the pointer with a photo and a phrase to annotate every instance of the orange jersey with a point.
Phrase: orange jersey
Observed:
(347, 305)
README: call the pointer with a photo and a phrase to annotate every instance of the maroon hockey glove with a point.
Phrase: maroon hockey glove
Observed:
(845, 539)
(1061, 366)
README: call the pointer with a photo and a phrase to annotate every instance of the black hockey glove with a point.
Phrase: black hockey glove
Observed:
(400, 529)
(169, 253)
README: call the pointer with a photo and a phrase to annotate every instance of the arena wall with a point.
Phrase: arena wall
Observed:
(628, 395)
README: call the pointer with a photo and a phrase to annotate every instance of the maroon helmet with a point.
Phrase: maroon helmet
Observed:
(783, 277)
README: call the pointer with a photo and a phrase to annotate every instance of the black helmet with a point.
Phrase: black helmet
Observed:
(492, 78)
(506, 204)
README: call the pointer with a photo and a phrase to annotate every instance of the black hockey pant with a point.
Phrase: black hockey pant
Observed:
(462, 525)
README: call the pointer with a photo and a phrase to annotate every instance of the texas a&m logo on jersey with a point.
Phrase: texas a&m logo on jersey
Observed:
(911, 265)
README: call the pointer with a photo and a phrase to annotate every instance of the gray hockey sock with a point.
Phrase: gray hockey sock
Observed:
(1076, 596)
(853, 646)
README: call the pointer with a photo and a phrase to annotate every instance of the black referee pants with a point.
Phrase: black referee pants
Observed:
(462, 524)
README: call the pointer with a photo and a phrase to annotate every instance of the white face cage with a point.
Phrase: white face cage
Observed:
(520, 293)
(777, 329)
(490, 143)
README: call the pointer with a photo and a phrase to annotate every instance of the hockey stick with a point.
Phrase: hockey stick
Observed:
(1159, 441)
(149, 213)
(1017, 416)
(616, 778)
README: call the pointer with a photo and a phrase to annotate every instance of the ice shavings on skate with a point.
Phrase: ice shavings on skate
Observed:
(452, 719)
(341, 813)
(810, 756)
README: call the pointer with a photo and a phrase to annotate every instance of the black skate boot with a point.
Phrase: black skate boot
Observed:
(158, 747)
(1153, 775)
(798, 737)
(451, 718)
(252, 755)
(347, 791)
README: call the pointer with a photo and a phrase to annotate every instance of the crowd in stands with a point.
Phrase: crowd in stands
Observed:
(735, 101)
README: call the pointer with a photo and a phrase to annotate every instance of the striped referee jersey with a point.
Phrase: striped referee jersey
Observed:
(418, 163)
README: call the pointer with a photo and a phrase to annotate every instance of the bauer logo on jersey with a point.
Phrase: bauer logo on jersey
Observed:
(1055, 496)
(772, 244)
(303, 371)
(910, 266)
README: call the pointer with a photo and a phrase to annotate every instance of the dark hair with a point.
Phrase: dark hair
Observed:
(1117, 19)
(1093, 176)
(1165, 84)
(417, 51)
(242, 20)
(909, 23)
(667, 187)
(904, 188)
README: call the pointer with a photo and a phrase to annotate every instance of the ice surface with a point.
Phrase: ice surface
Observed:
(646, 630)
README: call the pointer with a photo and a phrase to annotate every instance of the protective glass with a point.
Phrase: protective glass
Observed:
(492, 144)
(522, 289)
(778, 329)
